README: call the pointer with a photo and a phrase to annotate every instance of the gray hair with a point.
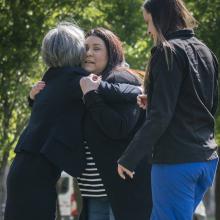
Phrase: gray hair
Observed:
(63, 46)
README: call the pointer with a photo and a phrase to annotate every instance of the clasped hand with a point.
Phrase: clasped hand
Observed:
(90, 83)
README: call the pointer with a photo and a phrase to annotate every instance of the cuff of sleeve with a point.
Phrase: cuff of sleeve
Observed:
(91, 98)
(126, 163)
(131, 160)
(102, 85)
(30, 101)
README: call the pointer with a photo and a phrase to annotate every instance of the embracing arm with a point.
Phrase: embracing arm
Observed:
(30, 101)
(37, 87)
(118, 92)
(115, 123)
(72, 88)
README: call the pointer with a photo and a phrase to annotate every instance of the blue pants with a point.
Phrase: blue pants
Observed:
(177, 189)
(97, 209)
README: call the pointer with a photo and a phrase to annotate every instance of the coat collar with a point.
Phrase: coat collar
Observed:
(184, 33)
(53, 72)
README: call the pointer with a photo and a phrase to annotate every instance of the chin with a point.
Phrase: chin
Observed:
(88, 69)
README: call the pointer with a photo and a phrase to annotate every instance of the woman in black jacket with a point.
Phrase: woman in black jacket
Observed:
(108, 128)
(178, 133)
(47, 146)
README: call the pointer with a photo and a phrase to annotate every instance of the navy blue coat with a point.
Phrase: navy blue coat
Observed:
(55, 125)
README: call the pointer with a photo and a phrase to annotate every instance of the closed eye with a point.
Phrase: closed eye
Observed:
(96, 48)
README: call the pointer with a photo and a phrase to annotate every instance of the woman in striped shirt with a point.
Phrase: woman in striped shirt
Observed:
(108, 128)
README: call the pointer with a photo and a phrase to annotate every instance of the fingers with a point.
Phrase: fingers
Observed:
(142, 101)
(40, 85)
(82, 81)
(36, 89)
(94, 77)
(123, 172)
(138, 100)
(143, 96)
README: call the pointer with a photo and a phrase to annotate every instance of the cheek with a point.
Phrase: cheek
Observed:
(151, 28)
(103, 60)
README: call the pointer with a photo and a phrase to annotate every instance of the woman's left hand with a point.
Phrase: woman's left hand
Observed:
(89, 83)
(123, 172)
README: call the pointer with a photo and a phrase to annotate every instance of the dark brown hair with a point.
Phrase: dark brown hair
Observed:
(168, 16)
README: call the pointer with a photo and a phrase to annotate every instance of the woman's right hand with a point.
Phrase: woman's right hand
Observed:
(89, 83)
(142, 101)
(36, 89)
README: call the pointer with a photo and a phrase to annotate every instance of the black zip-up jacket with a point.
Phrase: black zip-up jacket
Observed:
(182, 101)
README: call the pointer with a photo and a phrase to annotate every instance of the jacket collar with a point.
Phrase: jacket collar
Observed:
(184, 33)
(54, 72)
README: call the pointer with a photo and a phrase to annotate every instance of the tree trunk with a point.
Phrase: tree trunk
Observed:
(3, 173)
(217, 192)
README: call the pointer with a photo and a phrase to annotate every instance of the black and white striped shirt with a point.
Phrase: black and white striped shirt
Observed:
(90, 182)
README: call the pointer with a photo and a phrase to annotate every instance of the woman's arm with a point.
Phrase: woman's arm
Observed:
(120, 86)
(119, 92)
(116, 122)
(34, 91)
(166, 87)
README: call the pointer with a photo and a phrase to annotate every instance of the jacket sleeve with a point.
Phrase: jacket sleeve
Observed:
(119, 92)
(30, 101)
(215, 95)
(116, 124)
(166, 86)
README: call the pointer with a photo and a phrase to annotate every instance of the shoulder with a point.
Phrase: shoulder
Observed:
(123, 76)
(63, 72)
(173, 52)
(71, 71)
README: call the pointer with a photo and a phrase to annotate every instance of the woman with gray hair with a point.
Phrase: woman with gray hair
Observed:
(52, 140)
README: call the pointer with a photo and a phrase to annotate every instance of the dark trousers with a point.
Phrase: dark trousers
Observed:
(31, 188)
(97, 209)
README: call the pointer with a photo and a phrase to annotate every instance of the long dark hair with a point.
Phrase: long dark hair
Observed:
(168, 16)
(113, 45)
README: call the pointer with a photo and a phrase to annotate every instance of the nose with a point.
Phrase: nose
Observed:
(88, 52)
